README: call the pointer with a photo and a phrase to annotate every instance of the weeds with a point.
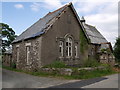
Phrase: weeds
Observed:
(82, 74)
(56, 64)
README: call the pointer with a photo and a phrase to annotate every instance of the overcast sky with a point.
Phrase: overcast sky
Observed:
(103, 14)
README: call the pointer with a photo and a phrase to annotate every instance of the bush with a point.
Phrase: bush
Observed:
(13, 65)
(56, 64)
(91, 63)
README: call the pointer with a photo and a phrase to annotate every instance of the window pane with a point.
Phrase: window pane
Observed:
(70, 44)
(66, 43)
(61, 48)
(67, 51)
(61, 43)
(69, 48)
(70, 40)
(75, 51)
(70, 51)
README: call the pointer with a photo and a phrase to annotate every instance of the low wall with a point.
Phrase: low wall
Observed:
(68, 71)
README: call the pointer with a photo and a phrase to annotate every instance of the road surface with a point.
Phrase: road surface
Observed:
(110, 81)
(12, 79)
(21, 80)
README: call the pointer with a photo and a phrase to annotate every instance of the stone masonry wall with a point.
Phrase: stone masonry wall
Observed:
(34, 56)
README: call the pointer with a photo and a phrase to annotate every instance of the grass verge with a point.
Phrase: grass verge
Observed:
(82, 74)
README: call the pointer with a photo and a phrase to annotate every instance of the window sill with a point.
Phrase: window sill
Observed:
(69, 57)
(61, 57)
(27, 64)
(77, 57)
(17, 62)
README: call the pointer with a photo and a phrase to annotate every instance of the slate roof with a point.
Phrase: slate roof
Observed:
(95, 36)
(40, 26)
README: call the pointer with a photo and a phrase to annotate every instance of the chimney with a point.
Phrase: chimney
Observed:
(82, 20)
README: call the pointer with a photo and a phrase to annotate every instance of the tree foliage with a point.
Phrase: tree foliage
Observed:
(7, 35)
(117, 49)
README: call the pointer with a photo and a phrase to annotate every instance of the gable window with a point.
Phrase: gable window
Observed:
(76, 51)
(61, 48)
(69, 19)
(27, 54)
(69, 47)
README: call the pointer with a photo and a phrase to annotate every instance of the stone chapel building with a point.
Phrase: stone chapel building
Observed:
(59, 35)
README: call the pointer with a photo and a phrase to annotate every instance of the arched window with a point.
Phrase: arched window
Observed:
(68, 46)
(61, 48)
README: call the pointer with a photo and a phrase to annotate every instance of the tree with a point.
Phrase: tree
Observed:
(117, 49)
(7, 35)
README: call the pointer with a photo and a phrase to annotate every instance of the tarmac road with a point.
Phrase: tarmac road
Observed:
(12, 79)
(110, 81)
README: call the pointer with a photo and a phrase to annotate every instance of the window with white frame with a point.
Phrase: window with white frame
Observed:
(17, 49)
(27, 54)
(76, 51)
(61, 48)
(68, 46)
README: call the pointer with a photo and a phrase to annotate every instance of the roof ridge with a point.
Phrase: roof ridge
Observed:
(90, 25)
(57, 9)
(49, 13)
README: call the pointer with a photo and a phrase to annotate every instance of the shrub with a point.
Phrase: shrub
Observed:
(13, 65)
(91, 63)
(56, 64)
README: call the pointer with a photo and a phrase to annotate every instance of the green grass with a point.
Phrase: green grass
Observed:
(83, 74)
(56, 64)
(12, 69)
(91, 62)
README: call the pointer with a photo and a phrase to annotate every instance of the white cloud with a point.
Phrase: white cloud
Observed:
(52, 4)
(103, 15)
(18, 6)
(47, 4)
(35, 6)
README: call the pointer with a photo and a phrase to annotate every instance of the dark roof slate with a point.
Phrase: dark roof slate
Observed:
(94, 35)
(40, 26)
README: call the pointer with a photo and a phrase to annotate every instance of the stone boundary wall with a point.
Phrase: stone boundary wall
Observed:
(68, 71)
